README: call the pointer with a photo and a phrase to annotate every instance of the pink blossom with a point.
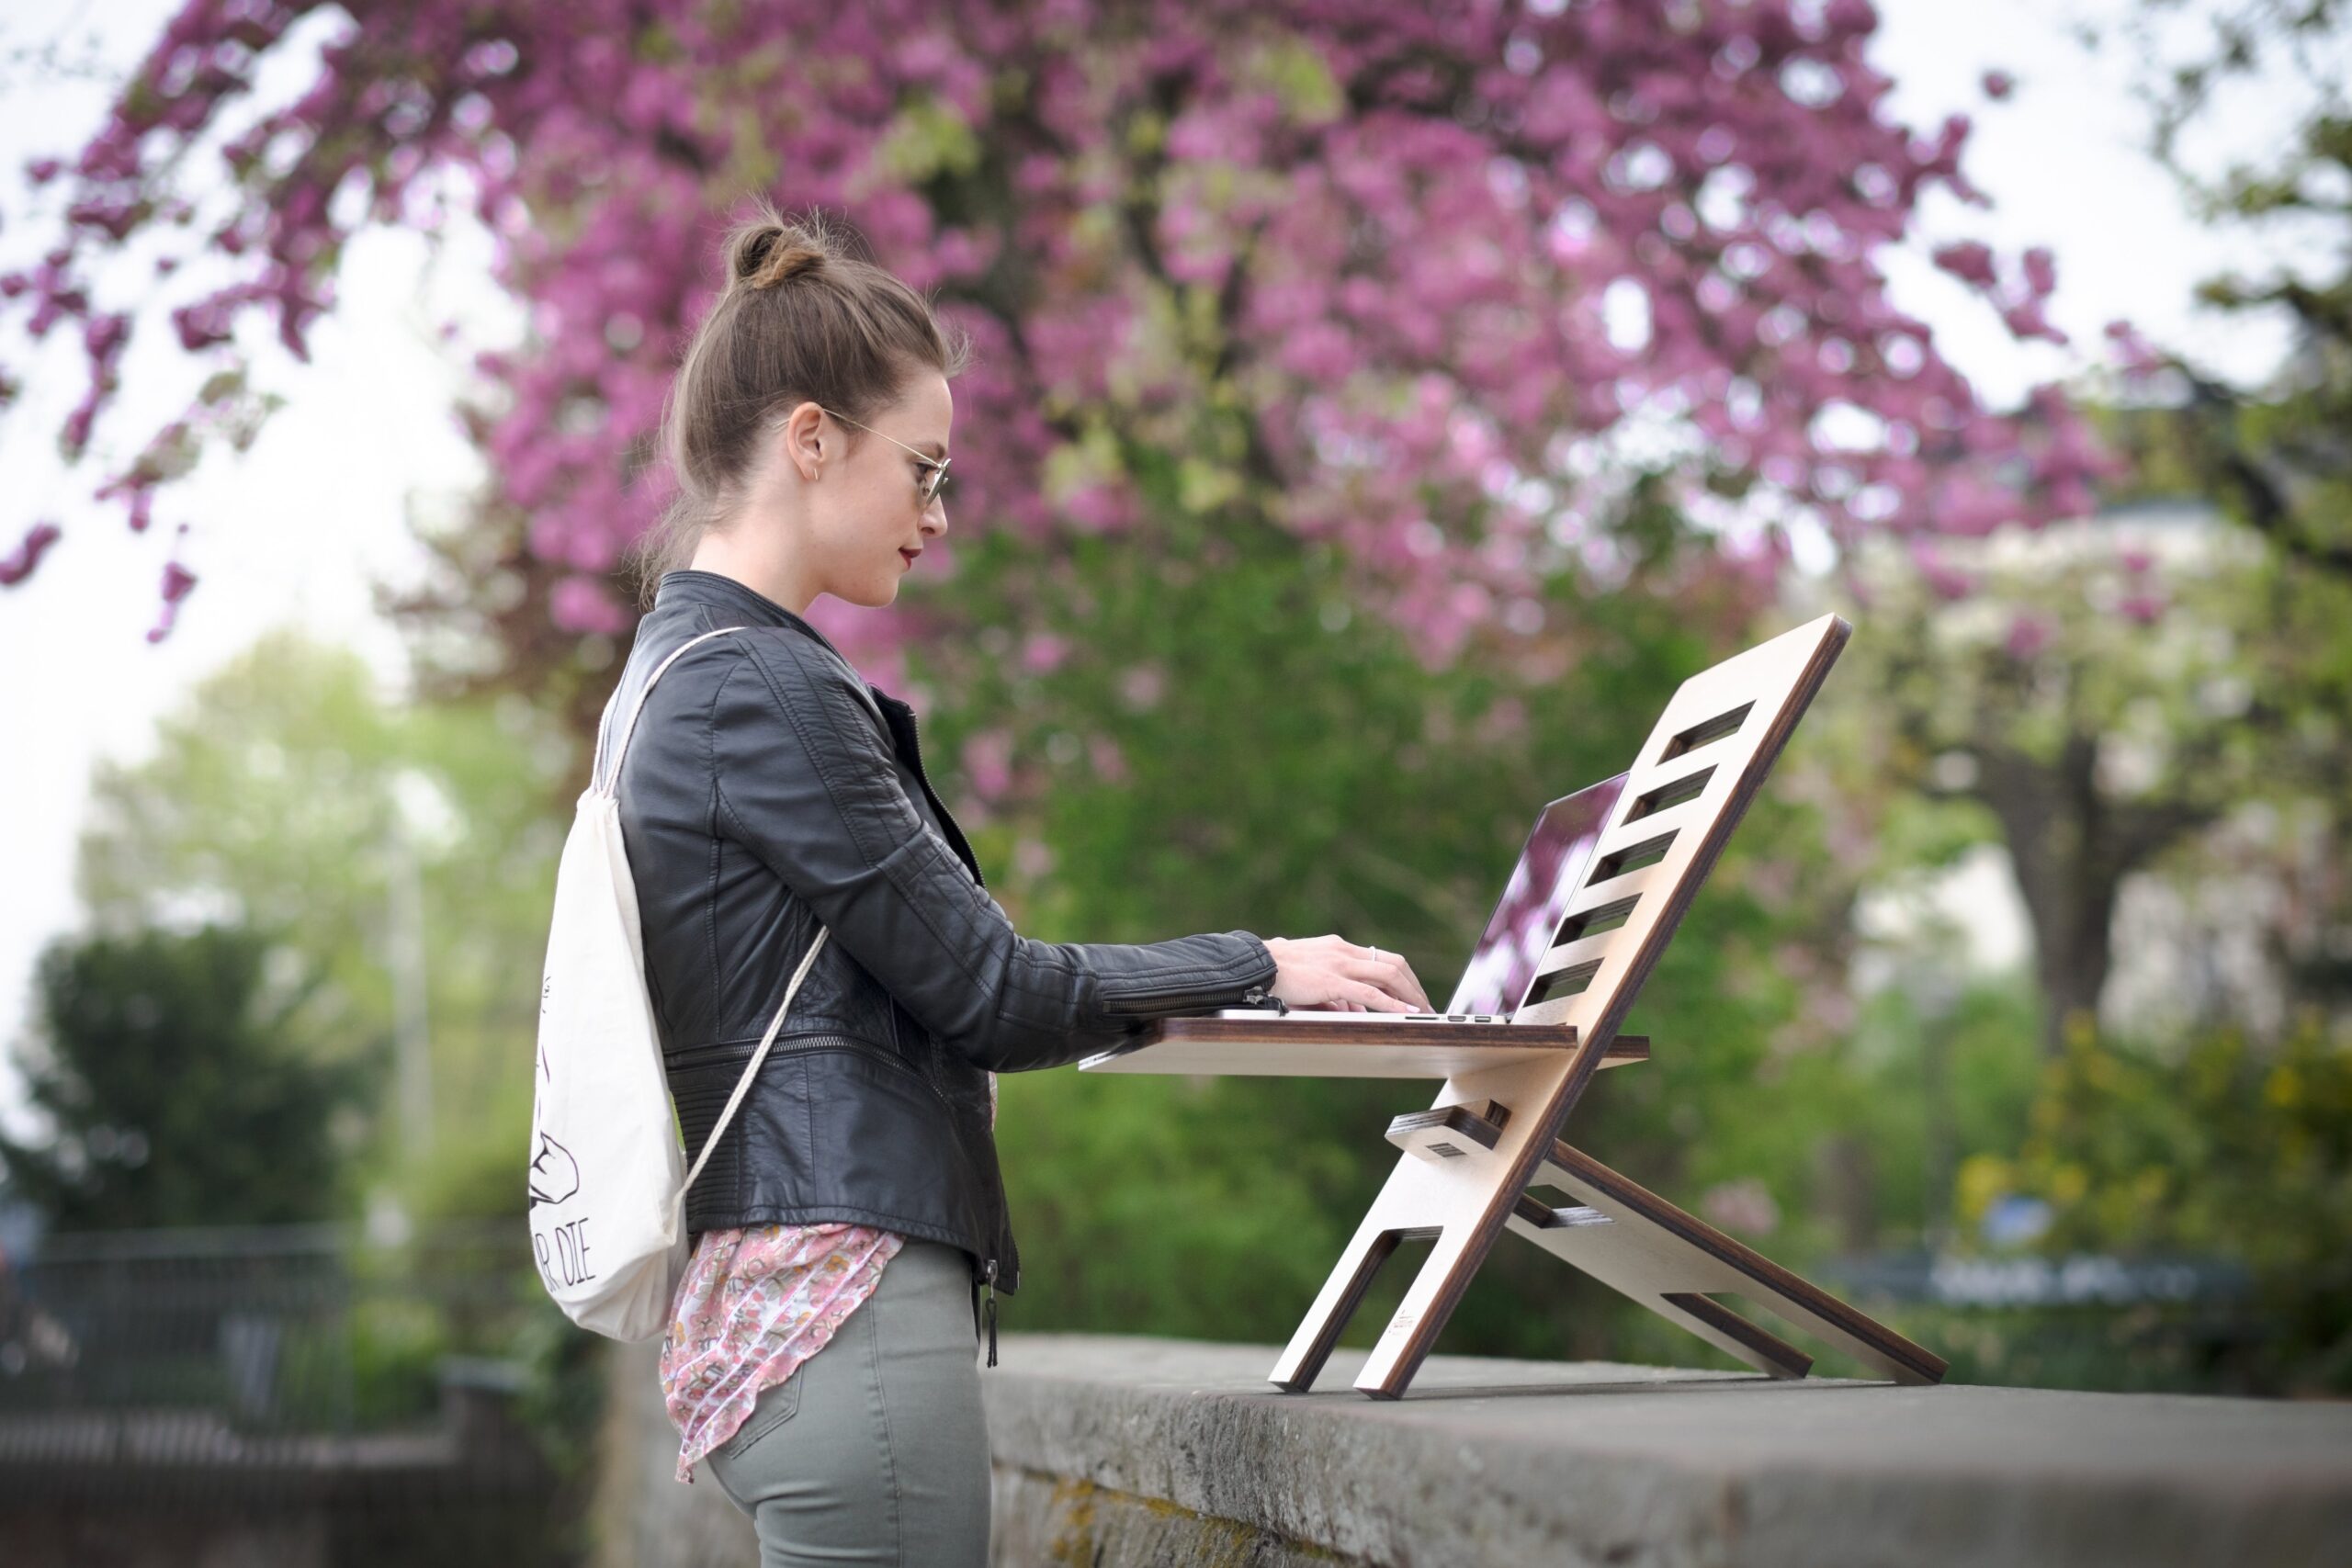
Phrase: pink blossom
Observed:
(2134, 353)
(1970, 261)
(987, 756)
(2029, 635)
(1943, 580)
(1110, 762)
(19, 563)
(177, 581)
(1043, 652)
(580, 603)
(1421, 218)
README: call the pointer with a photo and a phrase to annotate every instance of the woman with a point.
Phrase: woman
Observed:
(853, 1211)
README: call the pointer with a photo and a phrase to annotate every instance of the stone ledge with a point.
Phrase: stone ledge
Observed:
(1171, 1452)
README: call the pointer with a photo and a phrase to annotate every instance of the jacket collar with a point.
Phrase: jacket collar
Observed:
(692, 585)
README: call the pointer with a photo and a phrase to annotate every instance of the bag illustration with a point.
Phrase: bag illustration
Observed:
(609, 1178)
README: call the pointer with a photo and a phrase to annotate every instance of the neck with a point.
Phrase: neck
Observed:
(767, 570)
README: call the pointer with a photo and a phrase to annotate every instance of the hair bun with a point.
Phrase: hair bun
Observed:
(769, 254)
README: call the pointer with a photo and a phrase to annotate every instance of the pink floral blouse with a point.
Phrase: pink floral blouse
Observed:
(755, 1303)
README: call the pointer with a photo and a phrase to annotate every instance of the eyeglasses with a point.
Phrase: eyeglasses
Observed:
(934, 478)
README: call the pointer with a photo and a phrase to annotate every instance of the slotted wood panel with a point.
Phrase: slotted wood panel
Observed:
(1773, 682)
(1465, 1204)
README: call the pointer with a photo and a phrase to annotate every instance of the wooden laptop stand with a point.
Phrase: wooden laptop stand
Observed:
(1471, 1160)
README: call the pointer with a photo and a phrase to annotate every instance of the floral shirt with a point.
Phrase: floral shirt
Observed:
(755, 1303)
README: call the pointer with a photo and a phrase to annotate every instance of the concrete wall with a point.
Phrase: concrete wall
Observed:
(1115, 1450)
(643, 1516)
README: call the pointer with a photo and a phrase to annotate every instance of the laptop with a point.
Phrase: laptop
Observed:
(1518, 933)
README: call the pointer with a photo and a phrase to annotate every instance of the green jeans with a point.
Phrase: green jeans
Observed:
(875, 1448)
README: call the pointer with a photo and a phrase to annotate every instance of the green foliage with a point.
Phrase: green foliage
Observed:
(2223, 1149)
(180, 1092)
(562, 1399)
(290, 791)
(1226, 745)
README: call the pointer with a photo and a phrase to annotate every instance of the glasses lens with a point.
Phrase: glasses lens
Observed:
(934, 482)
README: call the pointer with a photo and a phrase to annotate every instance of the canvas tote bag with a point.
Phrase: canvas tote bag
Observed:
(608, 1177)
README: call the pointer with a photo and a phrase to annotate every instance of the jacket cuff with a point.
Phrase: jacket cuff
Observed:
(1263, 968)
(1226, 969)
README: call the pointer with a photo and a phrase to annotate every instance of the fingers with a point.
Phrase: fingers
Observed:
(1393, 977)
(1353, 977)
(1371, 998)
(1412, 991)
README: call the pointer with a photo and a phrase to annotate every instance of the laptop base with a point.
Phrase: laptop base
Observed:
(1345, 1045)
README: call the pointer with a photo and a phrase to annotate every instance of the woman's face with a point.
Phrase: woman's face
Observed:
(869, 510)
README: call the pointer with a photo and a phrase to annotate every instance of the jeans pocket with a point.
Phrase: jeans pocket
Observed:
(774, 1407)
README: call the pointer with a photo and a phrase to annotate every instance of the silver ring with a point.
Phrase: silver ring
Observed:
(1375, 954)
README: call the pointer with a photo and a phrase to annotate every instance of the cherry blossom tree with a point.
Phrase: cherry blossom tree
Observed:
(1398, 279)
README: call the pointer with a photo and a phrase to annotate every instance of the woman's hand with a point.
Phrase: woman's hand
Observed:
(1333, 972)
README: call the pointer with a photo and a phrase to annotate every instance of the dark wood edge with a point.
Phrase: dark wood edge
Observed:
(1483, 1129)
(1786, 1359)
(1545, 1219)
(1319, 1350)
(1335, 1031)
(1582, 1168)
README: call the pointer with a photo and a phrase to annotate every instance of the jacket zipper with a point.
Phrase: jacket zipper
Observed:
(989, 1274)
(988, 1268)
(1171, 989)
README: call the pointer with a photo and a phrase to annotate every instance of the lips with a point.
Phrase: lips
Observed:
(910, 556)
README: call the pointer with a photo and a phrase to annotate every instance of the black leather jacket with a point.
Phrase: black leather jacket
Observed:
(768, 787)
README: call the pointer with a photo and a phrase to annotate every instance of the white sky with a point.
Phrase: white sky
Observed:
(296, 528)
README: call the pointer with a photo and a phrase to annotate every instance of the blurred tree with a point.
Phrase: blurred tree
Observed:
(2105, 691)
(291, 794)
(2279, 457)
(1388, 278)
(2274, 456)
(1301, 557)
(172, 1068)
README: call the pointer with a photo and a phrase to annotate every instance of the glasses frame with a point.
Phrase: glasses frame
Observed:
(932, 483)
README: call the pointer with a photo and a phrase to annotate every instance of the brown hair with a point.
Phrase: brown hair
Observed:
(805, 315)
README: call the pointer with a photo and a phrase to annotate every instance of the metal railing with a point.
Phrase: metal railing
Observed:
(292, 1372)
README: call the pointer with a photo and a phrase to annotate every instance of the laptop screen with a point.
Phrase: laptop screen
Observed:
(1550, 869)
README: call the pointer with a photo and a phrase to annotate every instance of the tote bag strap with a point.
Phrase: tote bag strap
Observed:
(596, 767)
(744, 1084)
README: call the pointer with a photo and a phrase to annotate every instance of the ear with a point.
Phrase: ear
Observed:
(800, 440)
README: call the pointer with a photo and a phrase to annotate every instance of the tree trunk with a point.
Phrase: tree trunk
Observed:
(2072, 850)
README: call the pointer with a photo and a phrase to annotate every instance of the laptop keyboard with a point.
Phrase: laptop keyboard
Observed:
(1365, 1017)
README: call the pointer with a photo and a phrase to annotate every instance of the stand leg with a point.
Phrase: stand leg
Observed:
(1639, 1244)
(1302, 1361)
(1454, 1187)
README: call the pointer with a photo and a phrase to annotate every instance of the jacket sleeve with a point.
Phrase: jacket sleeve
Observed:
(805, 782)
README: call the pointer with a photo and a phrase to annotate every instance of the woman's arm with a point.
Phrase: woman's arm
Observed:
(805, 782)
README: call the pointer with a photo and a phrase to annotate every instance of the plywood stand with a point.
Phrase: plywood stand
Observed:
(1469, 1164)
